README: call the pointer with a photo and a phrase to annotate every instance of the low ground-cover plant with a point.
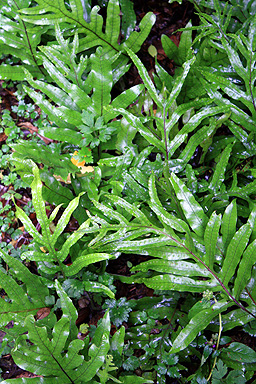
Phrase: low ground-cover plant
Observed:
(173, 181)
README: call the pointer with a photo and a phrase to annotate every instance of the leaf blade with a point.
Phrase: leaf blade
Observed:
(192, 210)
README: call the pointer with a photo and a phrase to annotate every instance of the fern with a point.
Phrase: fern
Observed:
(53, 356)
(188, 226)
(50, 260)
(72, 96)
(19, 39)
(57, 11)
(236, 46)
(184, 263)
(161, 137)
(25, 299)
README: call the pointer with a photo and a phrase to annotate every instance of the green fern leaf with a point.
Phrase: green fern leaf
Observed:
(136, 39)
(166, 218)
(16, 72)
(244, 271)
(47, 357)
(228, 87)
(180, 283)
(180, 267)
(49, 259)
(228, 225)
(197, 139)
(94, 286)
(211, 238)
(102, 81)
(178, 83)
(146, 79)
(23, 301)
(150, 136)
(52, 12)
(192, 124)
(113, 21)
(196, 324)
(219, 173)
(234, 252)
(19, 39)
(68, 310)
(192, 210)
(83, 261)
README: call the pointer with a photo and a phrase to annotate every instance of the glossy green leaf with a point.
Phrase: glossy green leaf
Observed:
(45, 357)
(182, 268)
(21, 215)
(20, 304)
(16, 73)
(192, 210)
(39, 206)
(210, 239)
(62, 134)
(178, 83)
(132, 209)
(117, 341)
(140, 192)
(180, 283)
(83, 261)
(169, 47)
(18, 38)
(53, 12)
(94, 286)
(68, 310)
(234, 253)
(46, 106)
(236, 318)
(102, 80)
(196, 324)
(233, 91)
(185, 44)
(71, 240)
(242, 136)
(131, 379)
(238, 355)
(63, 221)
(228, 225)
(113, 21)
(136, 39)
(36, 289)
(234, 59)
(245, 269)
(128, 17)
(238, 115)
(124, 100)
(54, 192)
(146, 79)
(192, 124)
(197, 139)
(182, 109)
(165, 217)
(56, 94)
(219, 173)
(111, 213)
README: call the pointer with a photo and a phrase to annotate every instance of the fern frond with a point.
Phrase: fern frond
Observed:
(19, 39)
(52, 12)
(26, 299)
(52, 357)
(51, 260)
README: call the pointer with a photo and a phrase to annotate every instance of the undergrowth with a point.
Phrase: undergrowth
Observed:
(161, 173)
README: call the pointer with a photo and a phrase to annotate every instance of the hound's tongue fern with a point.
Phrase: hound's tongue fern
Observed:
(164, 183)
